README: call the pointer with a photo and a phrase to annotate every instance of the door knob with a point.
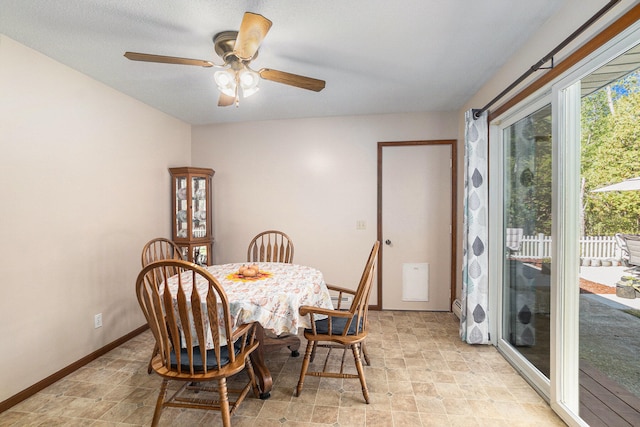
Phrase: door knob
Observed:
(387, 242)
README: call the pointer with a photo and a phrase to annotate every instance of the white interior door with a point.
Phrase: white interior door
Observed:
(416, 227)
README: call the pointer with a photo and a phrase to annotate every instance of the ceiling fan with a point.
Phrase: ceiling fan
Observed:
(238, 49)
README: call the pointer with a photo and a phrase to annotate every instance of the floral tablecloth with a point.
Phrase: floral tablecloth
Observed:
(271, 299)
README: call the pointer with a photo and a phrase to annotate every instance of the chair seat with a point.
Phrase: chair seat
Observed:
(197, 358)
(337, 326)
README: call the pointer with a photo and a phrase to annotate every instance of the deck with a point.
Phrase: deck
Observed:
(605, 403)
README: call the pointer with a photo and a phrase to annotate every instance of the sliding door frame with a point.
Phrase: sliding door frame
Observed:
(565, 397)
(496, 226)
(562, 391)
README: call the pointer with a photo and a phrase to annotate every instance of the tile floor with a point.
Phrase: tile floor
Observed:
(421, 374)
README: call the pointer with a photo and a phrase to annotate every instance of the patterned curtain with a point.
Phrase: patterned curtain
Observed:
(474, 321)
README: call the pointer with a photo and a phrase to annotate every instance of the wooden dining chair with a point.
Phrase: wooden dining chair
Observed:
(270, 246)
(344, 329)
(159, 249)
(155, 250)
(184, 324)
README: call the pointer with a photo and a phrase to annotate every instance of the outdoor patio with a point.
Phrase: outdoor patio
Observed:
(609, 343)
(609, 335)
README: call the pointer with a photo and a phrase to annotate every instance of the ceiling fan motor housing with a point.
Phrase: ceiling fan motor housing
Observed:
(224, 43)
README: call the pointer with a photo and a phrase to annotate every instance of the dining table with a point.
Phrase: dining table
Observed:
(271, 299)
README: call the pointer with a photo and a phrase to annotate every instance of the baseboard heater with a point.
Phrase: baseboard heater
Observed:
(456, 307)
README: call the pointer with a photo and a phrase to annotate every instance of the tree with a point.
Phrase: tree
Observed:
(611, 153)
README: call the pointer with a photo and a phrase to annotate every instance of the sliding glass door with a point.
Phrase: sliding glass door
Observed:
(609, 312)
(526, 236)
(557, 268)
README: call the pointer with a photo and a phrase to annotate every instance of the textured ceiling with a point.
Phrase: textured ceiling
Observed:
(376, 56)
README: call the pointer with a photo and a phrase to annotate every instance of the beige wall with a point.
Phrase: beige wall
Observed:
(312, 178)
(83, 184)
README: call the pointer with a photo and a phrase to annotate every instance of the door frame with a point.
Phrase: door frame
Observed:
(453, 143)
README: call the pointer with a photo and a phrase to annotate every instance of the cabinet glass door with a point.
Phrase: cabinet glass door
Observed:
(181, 207)
(199, 254)
(199, 207)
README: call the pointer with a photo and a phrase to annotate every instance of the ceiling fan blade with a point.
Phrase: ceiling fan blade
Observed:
(292, 79)
(147, 57)
(225, 100)
(253, 30)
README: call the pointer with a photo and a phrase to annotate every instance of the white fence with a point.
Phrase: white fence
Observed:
(594, 247)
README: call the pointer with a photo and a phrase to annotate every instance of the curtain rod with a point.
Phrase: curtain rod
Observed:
(549, 57)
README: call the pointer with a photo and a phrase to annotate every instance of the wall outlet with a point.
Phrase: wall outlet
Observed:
(97, 321)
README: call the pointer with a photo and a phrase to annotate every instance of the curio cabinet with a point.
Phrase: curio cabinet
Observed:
(191, 213)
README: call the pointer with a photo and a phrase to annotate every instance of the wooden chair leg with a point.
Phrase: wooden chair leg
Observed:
(313, 353)
(363, 382)
(363, 350)
(159, 403)
(224, 402)
(305, 365)
(252, 377)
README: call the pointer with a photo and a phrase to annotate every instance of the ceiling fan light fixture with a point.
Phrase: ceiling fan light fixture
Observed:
(226, 82)
(223, 77)
(248, 80)
(249, 91)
